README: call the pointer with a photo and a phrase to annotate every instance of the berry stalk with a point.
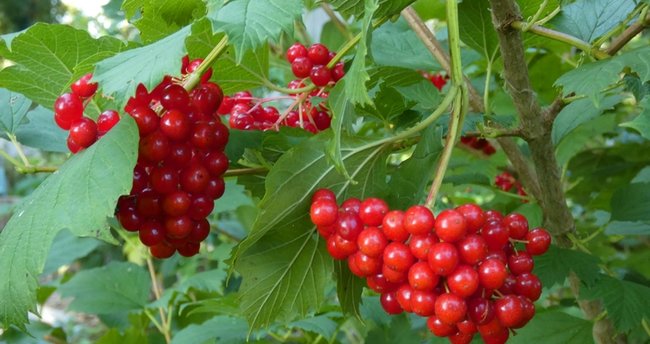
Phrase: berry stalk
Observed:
(195, 77)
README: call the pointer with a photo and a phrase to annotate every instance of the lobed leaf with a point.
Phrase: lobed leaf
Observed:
(552, 267)
(590, 19)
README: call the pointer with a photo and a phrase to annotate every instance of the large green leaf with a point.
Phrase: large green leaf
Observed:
(628, 228)
(627, 303)
(222, 329)
(320, 324)
(386, 8)
(120, 74)
(590, 19)
(45, 57)
(554, 327)
(357, 76)
(530, 7)
(395, 44)
(116, 287)
(250, 72)
(66, 248)
(408, 183)
(578, 112)
(641, 123)
(250, 24)
(164, 17)
(343, 113)
(283, 263)
(476, 28)
(591, 78)
(631, 203)
(348, 288)
(552, 267)
(79, 197)
(14, 111)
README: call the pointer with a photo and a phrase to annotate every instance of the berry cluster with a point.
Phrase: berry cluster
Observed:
(68, 115)
(438, 80)
(506, 181)
(460, 269)
(479, 144)
(249, 113)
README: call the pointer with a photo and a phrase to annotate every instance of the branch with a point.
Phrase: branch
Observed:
(561, 37)
(557, 216)
(509, 146)
(619, 42)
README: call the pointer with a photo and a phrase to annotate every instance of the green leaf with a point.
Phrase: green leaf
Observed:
(33, 126)
(357, 76)
(476, 28)
(628, 228)
(552, 267)
(348, 288)
(220, 329)
(45, 57)
(395, 44)
(398, 332)
(250, 72)
(386, 8)
(590, 19)
(576, 140)
(641, 123)
(14, 111)
(320, 324)
(530, 7)
(627, 303)
(98, 176)
(120, 74)
(283, 263)
(578, 112)
(408, 183)
(67, 248)
(343, 114)
(638, 88)
(631, 203)
(250, 24)
(164, 17)
(554, 327)
(116, 287)
(591, 78)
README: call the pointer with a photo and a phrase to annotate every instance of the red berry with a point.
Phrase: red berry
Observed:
(68, 108)
(393, 226)
(320, 75)
(194, 178)
(394, 276)
(397, 256)
(439, 328)
(178, 227)
(510, 311)
(493, 215)
(421, 244)
(295, 51)
(520, 263)
(349, 225)
(421, 277)
(463, 281)
(200, 231)
(338, 72)
(215, 188)
(151, 233)
(461, 338)
(495, 235)
(418, 220)
(379, 284)
(404, 296)
(538, 241)
(207, 97)
(176, 203)
(474, 216)
(372, 211)
(372, 241)
(147, 204)
(189, 249)
(175, 125)
(164, 179)
(130, 219)
(517, 226)
(450, 226)
(162, 250)
(472, 249)
(443, 258)
(423, 303)
(217, 163)
(389, 303)
(154, 147)
(324, 212)
(175, 97)
(367, 265)
(340, 248)
(201, 207)
(528, 285)
(450, 308)
(351, 204)
(318, 54)
(480, 310)
(323, 193)
(146, 119)
(301, 67)
(322, 120)
(83, 132)
(83, 87)
(106, 121)
(492, 273)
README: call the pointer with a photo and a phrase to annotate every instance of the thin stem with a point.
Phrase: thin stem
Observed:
(454, 42)
(619, 42)
(245, 171)
(157, 291)
(287, 90)
(194, 77)
(344, 50)
(561, 37)
(549, 16)
(154, 321)
(536, 16)
(486, 90)
(36, 169)
(622, 25)
(19, 150)
(340, 25)
(10, 158)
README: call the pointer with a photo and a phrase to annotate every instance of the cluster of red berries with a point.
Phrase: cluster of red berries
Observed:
(460, 269)
(68, 115)
(479, 144)
(249, 113)
(180, 165)
(506, 182)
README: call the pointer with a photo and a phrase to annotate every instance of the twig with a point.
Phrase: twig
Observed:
(619, 42)
(157, 291)
(560, 37)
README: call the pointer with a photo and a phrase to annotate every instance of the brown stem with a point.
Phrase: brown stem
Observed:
(557, 216)
(508, 145)
(619, 42)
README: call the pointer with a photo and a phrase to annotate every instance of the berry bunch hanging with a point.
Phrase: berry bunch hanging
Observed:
(479, 144)
(507, 182)
(463, 269)
(181, 158)
(249, 113)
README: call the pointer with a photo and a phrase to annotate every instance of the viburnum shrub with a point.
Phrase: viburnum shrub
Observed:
(467, 270)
